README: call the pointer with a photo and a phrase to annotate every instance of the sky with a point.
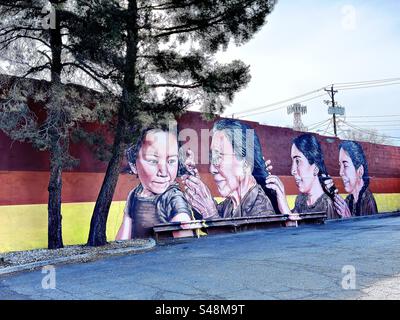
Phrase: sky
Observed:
(307, 45)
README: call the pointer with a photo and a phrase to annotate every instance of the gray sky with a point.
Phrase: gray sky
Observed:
(307, 45)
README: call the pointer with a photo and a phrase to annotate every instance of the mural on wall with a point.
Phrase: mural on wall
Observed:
(354, 173)
(157, 199)
(310, 173)
(207, 171)
(238, 170)
(243, 179)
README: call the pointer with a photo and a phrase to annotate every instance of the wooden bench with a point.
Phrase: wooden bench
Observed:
(214, 226)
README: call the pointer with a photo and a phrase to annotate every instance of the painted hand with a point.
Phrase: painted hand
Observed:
(341, 207)
(268, 164)
(199, 196)
(274, 183)
(329, 184)
(190, 164)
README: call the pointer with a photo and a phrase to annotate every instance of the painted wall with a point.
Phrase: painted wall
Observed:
(24, 177)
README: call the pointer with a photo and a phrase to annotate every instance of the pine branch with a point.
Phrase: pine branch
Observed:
(175, 85)
(167, 6)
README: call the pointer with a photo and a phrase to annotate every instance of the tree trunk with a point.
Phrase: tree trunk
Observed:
(98, 224)
(54, 205)
(56, 152)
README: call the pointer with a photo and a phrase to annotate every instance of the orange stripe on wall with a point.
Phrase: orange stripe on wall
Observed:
(30, 187)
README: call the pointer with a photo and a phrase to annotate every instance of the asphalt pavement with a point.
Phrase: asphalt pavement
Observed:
(356, 259)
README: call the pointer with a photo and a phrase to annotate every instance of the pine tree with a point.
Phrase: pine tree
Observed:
(158, 56)
(33, 44)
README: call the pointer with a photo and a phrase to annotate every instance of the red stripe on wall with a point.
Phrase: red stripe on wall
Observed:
(383, 160)
(30, 187)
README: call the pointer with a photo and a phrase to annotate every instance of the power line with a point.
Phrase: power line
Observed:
(389, 129)
(280, 102)
(375, 121)
(318, 124)
(340, 86)
(367, 131)
(377, 125)
(366, 82)
(369, 86)
(376, 116)
(282, 107)
(327, 127)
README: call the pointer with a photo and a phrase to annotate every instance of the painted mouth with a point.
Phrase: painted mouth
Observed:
(218, 179)
(218, 182)
(160, 183)
(346, 182)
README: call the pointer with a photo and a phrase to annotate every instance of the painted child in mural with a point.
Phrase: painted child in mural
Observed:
(309, 171)
(238, 170)
(354, 172)
(157, 199)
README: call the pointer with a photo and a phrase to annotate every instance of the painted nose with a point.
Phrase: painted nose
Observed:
(162, 169)
(293, 170)
(213, 169)
(341, 171)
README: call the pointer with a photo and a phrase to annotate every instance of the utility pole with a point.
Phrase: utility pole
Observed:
(333, 109)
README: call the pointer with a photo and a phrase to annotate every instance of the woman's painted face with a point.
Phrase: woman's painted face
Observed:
(348, 172)
(228, 171)
(157, 161)
(302, 171)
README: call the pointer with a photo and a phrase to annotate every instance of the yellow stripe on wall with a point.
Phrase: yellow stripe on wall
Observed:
(24, 227)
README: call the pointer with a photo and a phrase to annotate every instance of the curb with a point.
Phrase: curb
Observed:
(110, 252)
(372, 216)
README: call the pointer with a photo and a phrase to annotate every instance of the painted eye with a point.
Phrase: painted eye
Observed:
(172, 161)
(152, 161)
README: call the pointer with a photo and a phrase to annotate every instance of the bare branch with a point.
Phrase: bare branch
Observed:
(15, 29)
(8, 41)
(88, 72)
(37, 69)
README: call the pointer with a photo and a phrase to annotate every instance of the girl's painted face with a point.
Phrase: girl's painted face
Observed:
(157, 161)
(350, 175)
(228, 171)
(302, 171)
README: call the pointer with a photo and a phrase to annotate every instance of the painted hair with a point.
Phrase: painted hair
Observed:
(238, 132)
(357, 156)
(310, 147)
(246, 146)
